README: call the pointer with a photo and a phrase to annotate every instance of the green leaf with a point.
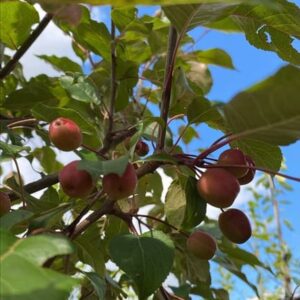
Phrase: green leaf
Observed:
(269, 111)
(97, 168)
(12, 150)
(16, 19)
(122, 16)
(95, 37)
(195, 206)
(267, 27)
(80, 88)
(32, 282)
(187, 134)
(49, 113)
(175, 204)
(163, 157)
(263, 154)
(98, 283)
(14, 217)
(146, 259)
(213, 56)
(61, 63)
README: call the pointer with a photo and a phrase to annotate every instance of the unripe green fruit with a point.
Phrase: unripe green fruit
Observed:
(75, 182)
(141, 148)
(250, 174)
(202, 245)
(235, 225)
(5, 203)
(65, 134)
(234, 157)
(118, 187)
(218, 187)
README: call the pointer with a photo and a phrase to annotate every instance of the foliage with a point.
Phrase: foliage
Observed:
(140, 84)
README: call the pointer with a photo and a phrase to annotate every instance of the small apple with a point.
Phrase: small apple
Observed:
(118, 187)
(218, 187)
(235, 225)
(250, 174)
(65, 134)
(75, 182)
(202, 245)
(5, 203)
(234, 157)
(141, 148)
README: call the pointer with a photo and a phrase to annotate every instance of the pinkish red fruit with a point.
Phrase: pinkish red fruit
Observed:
(250, 174)
(235, 225)
(234, 157)
(118, 187)
(75, 182)
(218, 187)
(201, 245)
(65, 134)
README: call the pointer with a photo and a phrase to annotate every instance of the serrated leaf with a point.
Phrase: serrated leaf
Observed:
(146, 259)
(16, 19)
(175, 204)
(32, 282)
(103, 167)
(269, 111)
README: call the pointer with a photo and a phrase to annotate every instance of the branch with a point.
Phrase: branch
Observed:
(166, 94)
(26, 45)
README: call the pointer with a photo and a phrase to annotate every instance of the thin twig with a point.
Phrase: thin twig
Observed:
(26, 45)
(166, 94)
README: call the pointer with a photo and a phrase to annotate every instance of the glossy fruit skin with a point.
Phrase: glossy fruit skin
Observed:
(234, 157)
(75, 183)
(141, 148)
(218, 187)
(118, 187)
(5, 203)
(65, 134)
(250, 174)
(202, 245)
(235, 225)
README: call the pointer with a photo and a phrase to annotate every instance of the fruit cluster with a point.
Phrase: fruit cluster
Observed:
(219, 187)
(66, 135)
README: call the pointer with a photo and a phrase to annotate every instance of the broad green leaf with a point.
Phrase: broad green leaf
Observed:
(271, 27)
(201, 110)
(63, 64)
(146, 259)
(14, 217)
(122, 16)
(103, 167)
(49, 113)
(16, 19)
(213, 56)
(187, 133)
(98, 283)
(264, 155)
(269, 111)
(32, 282)
(91, 252)
(195, 206)
(80, 88)
(175, 204)
(95, 37)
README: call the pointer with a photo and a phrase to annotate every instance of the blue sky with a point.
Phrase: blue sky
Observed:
(252, 66)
